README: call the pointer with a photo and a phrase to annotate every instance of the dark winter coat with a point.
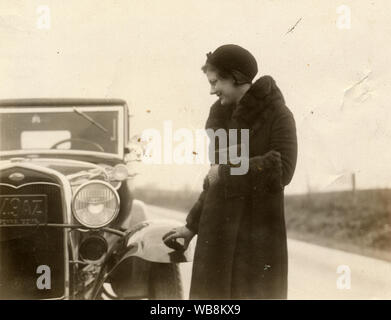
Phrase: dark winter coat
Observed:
(241, 250)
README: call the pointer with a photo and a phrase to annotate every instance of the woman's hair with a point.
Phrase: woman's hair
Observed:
(238, 77)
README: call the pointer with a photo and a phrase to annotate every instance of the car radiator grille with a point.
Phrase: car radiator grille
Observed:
(32, 259)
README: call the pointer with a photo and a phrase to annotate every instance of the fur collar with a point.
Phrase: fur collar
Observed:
(262, 96)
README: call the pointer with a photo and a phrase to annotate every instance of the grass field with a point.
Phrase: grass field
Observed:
(358, 222)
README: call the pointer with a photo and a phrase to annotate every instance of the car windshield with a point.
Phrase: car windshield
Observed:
(81, 128)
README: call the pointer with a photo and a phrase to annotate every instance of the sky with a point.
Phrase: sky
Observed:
(334, 75)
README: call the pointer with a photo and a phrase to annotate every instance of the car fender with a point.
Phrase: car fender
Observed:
(145, 241)
(137, 214)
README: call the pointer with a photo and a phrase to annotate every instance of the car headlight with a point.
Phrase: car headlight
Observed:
(95, 204)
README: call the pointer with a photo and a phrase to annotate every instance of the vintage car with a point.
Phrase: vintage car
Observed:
(70, 227)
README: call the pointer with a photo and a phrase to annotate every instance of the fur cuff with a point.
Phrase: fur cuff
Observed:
(266, 172)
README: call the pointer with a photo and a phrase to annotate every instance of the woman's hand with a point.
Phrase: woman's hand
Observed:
(178, 233)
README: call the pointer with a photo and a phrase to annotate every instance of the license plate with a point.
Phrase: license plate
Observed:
(23, 209)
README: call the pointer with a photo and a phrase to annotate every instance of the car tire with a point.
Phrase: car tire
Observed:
(165, 282)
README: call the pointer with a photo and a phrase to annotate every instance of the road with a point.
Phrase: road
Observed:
(316, 272)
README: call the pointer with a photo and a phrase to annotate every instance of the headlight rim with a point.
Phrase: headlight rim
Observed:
(108, 185)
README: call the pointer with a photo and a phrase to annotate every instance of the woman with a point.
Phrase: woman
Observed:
(241, 250)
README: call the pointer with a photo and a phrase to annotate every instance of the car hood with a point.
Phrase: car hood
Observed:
(76, 172)
(64, 166)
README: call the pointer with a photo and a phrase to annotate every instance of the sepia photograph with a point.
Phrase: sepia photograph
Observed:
(195, 150)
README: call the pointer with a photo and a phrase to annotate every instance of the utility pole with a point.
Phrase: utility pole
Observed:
(309, 191)
(354, 196)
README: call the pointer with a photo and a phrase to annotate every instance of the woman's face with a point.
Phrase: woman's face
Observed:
(225, 89)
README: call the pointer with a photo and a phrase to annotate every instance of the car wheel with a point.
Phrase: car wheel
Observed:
(165, 282)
